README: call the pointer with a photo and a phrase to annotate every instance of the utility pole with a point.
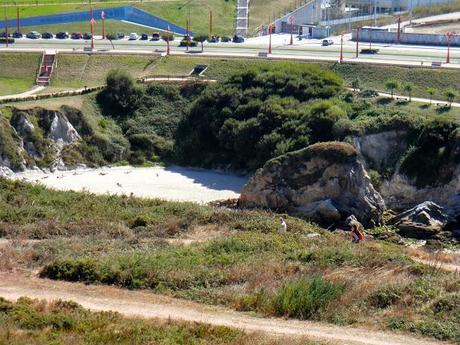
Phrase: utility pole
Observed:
(449, 36)
(357, 42)
(292, 20)
(92, 29)
(341, 48)
(399, 31)
(103, 24)
(17, 19)
(167, 42)
(187, 38)
(6, 29)
(210, 23)
(270, 38)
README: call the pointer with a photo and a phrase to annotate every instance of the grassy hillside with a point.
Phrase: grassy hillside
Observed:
(29, 321)
(240, 260)
(175, 11)
(18, 72)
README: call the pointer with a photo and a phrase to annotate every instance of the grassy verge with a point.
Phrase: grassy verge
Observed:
(134, 243)
(63, 322)
(18, 72)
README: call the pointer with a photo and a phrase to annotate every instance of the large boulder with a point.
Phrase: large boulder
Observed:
(423, 221)
(324, 182)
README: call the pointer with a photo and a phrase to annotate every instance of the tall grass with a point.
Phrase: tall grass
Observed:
(306, 298)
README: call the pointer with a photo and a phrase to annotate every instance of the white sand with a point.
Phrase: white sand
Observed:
(171, 183)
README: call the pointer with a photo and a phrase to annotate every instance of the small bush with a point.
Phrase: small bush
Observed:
(83, 270)
(306, 298)
(385, 296)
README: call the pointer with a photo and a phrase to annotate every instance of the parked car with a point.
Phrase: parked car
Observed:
(76, 36)
(47, 35)
(120, 35)
(144, 37)
(156, 36)
(33, 35)
(17, 34)
(214, 39)
(62, 35)
(238, 39)
(133, 36)
(3, 34)
(327, 43)
(226, 39)
(87, 36)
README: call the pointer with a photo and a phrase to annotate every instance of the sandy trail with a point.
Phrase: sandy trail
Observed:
(145, 304)
(170, 183)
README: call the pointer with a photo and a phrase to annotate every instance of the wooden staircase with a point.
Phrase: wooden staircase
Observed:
(46, 68)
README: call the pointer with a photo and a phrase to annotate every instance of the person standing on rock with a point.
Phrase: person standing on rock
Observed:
(283, 226)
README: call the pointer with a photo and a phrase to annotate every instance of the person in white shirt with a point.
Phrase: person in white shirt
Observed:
(283, 226)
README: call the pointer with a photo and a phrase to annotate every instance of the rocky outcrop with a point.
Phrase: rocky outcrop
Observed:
(381, 150)
(423, 221)
(324, 182)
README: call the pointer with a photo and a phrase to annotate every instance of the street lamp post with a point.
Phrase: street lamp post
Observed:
(210, 23)
(6, 29)
(449, 36)
(167, 42)
(292, 20)
(270, 28)
(187, 38)
(399, 31)
(92, 29)
(341, 48)
(357, 42)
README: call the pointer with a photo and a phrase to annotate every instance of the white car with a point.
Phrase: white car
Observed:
(133, 36)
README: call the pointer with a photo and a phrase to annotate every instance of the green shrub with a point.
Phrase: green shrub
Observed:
(385, 296)
(84, 270)
(306, 298)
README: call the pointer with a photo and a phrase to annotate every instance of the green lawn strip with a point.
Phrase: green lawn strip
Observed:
(12, 86)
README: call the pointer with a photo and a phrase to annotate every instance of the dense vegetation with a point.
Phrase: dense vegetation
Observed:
(29, 321)
(135, 243)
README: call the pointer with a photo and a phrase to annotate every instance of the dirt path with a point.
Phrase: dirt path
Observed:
(451, 267)
(145, 304)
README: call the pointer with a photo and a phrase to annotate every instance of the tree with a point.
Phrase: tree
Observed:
(431, 91)
(167, 37)
(450, 94)
(201, 38)
(409, 88)
(355, 84)
(392, 85)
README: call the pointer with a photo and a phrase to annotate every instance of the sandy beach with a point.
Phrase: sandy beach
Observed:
(169, 183)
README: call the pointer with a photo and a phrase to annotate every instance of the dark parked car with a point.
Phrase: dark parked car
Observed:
(87, 36)
(3, 34)
(226, 39)
(62, 35)
(47, 35)
(76, 36)
(33, 35)
(214, 39)
(156, 36)
(17, 34)
(144, 37)
(120, 35)
(238, 39)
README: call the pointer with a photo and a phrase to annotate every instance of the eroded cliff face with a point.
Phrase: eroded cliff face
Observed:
(324, 182)
(34, 138)
(385, 152)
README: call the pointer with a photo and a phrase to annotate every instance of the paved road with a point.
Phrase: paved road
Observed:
(305, 49)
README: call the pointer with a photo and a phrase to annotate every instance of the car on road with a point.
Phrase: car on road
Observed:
(226, 39)
(33, 35)
(17, 34)
(47, 35)
(238, 39)
(214, 39)
(3, 34)
(120, 35)
(156, 36)
(327, 43)
(133, 36)
(62, 35)
(87, 36)
(76, 36)
(144, 37)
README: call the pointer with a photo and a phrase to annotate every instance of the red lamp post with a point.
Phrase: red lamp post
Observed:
(270, 29)
(92, 21)
(292, 21)
(167, 42)
(357, 41)
(6, 29)
(341, 48)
